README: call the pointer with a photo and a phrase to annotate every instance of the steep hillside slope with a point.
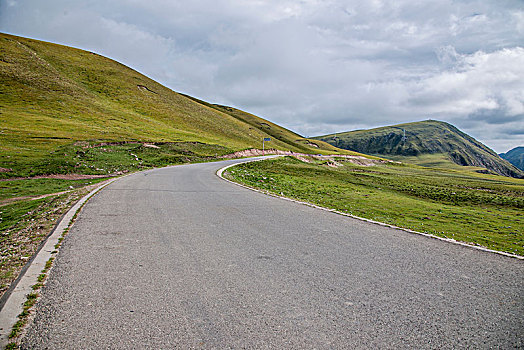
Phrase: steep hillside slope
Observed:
(53, 96)
(515, 156)
(441, 141)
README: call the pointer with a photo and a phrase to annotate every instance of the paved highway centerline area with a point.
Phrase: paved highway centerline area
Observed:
(178, 258)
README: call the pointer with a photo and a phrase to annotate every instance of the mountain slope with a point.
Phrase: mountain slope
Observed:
(431, 140)
(515, 156)
(52, 96)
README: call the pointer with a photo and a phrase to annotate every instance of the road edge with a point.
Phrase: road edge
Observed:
(14, 303)
(428, 235)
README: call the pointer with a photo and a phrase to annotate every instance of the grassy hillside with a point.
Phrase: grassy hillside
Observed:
(515, 156)
(479, 209)
(52, 97)
(430, 143)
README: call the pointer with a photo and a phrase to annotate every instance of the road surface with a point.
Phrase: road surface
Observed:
(178, 258)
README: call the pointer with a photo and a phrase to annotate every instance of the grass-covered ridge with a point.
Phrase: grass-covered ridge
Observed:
(53, 96)
(428, 143)
(480, 209)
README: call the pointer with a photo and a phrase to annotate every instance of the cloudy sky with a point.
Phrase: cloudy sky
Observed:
(313, 66)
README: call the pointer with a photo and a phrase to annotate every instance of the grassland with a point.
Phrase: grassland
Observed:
(435, 160)
(106, 158)
(479, 209)
(29, 188)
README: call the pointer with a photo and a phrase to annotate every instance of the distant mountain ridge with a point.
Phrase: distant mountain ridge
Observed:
(425, 137)
(515, 156)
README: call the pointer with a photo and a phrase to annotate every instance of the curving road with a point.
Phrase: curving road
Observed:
(178, 258)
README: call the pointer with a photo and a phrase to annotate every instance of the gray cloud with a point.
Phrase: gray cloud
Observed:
(313, 66)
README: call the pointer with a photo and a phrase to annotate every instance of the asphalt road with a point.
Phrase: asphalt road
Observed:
(178, 258)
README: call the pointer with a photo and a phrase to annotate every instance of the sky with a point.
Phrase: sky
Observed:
(313, 66)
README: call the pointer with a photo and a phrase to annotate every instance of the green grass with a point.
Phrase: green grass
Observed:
(106, 158)
(484, 210)
(435, 160)
(40, 186)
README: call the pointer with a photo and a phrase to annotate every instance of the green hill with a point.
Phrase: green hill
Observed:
(428, 143)
(515, 156)
(67, 110)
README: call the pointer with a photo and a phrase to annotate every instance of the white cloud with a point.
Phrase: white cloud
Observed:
(480, 81)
